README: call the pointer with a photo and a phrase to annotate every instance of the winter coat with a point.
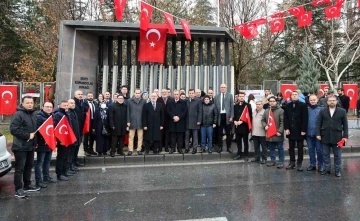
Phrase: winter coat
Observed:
(209, 115)
(345, 102)
(134, 113)
(332, 129)
(313, 112)
(22, 123)
(117, 119)
(177, 109)
(278, 113)
(229, 106)
(257, 127)
(164, 107)
(74, 122)
(101, 122)
(193, 113)
(238, 110)
(296, 120)
(81, 108)
(153, 120)
(41, 117)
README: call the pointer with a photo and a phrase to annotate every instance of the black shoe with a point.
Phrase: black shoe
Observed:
(100, 155)
(79, 164)
(194, 151)
(105, 154)
(229, 150)
(246, 159)
(280, 165)
(166, 149)
(159, 150)
(238, 157)
(271, 164)
(112, 154)
(31, 188)
(139, 153)
(320, 169)
(187, 150)
(72, 171)
(291, 166)
(62, 178)
(49, 180)
(210, 151)
(255, 160)
(67, 174)
(87, 154)
(171, 151)
(263, 162)
(311, 168)
(299, 167)
(120, 153)
(180, 151)
(75, 168)
(219, 150)
(325, 172)
(20, 193)
(129, 153)
(41, 185)
(338, 174)
(92, 152)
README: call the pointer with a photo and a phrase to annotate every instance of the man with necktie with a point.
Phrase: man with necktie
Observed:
(90, 136)
(165, 134)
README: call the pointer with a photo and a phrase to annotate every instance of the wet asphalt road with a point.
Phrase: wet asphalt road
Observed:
(228, 191)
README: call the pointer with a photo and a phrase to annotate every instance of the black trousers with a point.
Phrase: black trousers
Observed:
(71, 157)
(177, 140)
(117, 143)
(155, 145)
(165, 137)
(88, 142)
(300, 146)
(227, 128)
(240, 138)
(61, 160)
(257, 142)
(24, 162)
(76, 151)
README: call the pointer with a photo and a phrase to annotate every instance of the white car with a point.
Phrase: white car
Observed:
(5, 157)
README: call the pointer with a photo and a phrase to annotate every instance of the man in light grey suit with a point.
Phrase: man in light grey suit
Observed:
(224, 103)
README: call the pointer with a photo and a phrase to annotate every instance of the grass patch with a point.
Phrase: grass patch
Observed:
(9, 137)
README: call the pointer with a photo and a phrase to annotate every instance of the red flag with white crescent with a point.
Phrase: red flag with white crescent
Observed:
(277, 25)
(153, 44)
(321, 89)
(186, 27)
(145, 16)
(287, 89)
(86, 128)
(47, 132)
(119, 6)
(170, 23)
(8, 99)
(64, 132)
(305, 19)
(333, 11)
(245, 117)
(297, 11)
(351, 90)
(271, 131)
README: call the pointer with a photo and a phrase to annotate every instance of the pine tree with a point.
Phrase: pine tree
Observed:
(308, 72)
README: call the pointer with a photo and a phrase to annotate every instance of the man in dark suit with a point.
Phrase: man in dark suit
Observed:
(224, 103)
(345, 100)
(165, 134)
(177, 111)
(153, 121)
(89, 137)
(117, 123)
(332, 126)
(242, 128)
(193, 121)
(295, 125)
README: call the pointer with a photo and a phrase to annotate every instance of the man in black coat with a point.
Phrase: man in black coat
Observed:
(71, 167)
(153, 121)
(332, 127)
(193, 121)
(43, 151)
(23, 127)
(344, 99)
(242, 128)
(62, 151)
(89, 137)
(295, 125)
(177, 111)
(117, 122)
(165, 134)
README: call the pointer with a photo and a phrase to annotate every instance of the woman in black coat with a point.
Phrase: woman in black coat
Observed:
(101, 129)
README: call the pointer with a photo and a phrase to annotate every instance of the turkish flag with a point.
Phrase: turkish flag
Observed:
(119, 6)
(320, 2)
(341, 143)
(277, 25)
(351, 90)
(170, 23)
(271, 131)
(8, 101)
(278, 15)
(186, 27)
(64, 132)
(153, 44)
(86, 128)
(287, 89)
(321, 90)
(260, 21)
(305, 19)
(249, 31)
(297, 11)
(333, 11)
(245, 117)
(47, 91)
(47, 132)
(145, 16)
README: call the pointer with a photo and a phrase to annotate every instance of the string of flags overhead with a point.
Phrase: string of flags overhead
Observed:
(146, 11)
(276, 21)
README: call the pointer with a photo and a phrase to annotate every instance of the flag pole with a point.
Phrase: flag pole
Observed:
(40, 127)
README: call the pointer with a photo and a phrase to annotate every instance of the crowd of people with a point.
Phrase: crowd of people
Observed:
(173, 121)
